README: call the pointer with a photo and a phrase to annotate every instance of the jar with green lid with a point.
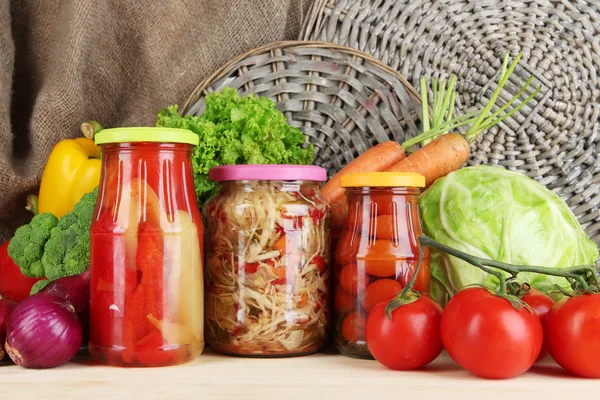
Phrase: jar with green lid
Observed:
(146, 305)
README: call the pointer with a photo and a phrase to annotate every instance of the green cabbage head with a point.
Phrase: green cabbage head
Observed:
(505, 216)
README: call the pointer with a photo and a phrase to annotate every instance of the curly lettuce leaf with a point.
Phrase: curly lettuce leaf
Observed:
(238, 130)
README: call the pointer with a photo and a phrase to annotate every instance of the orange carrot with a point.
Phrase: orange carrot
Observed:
(280, 244)
(440, 152)
(376, 159)
(303, 300)
(438, 158)
(279, 271)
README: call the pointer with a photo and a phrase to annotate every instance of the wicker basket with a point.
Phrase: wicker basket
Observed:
(557, 139)
(344, 100)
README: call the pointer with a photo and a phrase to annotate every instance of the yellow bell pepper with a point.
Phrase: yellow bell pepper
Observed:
(72, 170)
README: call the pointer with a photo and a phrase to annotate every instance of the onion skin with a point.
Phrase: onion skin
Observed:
(76, 290)
(43, 331)
(6, 308)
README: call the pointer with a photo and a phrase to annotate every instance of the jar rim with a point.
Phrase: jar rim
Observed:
(382, 179)
(146, 134)
(267, 172)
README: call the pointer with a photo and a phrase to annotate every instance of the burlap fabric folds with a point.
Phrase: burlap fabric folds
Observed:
(117, 61)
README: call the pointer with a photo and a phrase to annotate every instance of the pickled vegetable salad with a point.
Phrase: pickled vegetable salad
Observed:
(270, 296)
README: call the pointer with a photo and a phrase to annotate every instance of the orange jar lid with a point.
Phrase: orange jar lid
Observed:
(382, 179)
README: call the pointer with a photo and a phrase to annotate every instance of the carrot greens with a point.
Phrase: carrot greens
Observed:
(442, 120)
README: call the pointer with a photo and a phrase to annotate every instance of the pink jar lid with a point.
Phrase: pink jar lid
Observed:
(267, 172)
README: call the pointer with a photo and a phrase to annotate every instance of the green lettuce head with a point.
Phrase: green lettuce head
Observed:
(505, 216)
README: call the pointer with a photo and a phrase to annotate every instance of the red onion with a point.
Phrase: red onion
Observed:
(43, 332)
(76, 290)
(6, 308)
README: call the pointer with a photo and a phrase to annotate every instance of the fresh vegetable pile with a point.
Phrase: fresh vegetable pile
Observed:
(513, 276)
(44, 282)
(236, 130)
(46, 329)
(479, 326)
(492, 308)
(441, 151)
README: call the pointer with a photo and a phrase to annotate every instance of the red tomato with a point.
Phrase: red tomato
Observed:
(353, 327)
(487, 336)
(380, 260)
(407, 269)
(385, 202)
(13, 284)
(411, 339)
(250, 268)
(351, 281)
(343, 302)
(386, 227)
(572, 334)
(382, 290)
(541, 304)
(345, 252)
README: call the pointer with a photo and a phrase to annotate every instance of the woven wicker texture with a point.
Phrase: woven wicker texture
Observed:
(554, 140)
(343, 100)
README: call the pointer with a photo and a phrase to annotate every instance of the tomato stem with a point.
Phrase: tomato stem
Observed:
(407, 295)
(413, 279)
(582, 278)
(517, 289)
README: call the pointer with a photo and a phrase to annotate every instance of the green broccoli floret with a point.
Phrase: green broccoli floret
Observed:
(67, 252)
(27, 246)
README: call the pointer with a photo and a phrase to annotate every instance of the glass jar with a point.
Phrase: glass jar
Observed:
(377, 253)
(268, 265)
(146, 305)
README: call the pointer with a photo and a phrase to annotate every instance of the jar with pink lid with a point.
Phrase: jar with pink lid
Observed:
(268, 264)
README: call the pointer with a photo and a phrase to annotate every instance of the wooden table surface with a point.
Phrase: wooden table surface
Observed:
(319, 376)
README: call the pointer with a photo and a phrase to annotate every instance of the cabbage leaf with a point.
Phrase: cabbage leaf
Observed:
(505, 216)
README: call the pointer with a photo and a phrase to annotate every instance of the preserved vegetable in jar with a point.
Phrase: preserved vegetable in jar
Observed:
(377, 253)
(268, 263)
(146, 281)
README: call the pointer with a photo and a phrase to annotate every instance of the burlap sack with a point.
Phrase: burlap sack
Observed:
(117, 61)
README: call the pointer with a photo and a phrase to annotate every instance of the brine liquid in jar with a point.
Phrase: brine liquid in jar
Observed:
(268, 268)
(146, 281)
(377, 253)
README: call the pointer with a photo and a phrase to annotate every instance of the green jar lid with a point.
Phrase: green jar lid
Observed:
(146, 134)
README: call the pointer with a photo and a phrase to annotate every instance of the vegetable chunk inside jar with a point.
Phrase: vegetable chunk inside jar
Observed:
(268, 265)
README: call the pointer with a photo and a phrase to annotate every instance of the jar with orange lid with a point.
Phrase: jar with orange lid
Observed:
(378, 251)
